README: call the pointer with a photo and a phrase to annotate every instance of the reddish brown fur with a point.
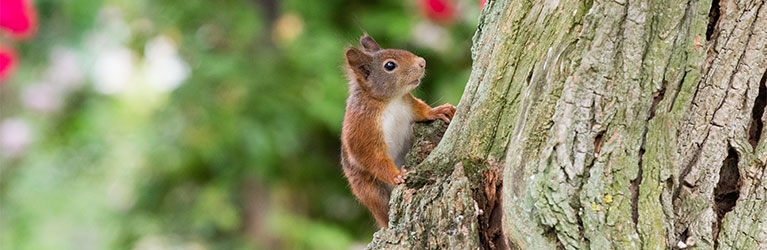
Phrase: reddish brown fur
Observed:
(370, 171)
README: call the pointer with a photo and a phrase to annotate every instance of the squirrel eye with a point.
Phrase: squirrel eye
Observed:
(389, 66)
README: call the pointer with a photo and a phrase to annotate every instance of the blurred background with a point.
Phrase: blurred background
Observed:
(168, 124)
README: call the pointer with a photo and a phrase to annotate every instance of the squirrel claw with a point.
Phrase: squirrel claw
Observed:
(399, 179)
(444, 118)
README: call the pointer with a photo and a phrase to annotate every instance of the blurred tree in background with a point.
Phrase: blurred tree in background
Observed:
(137, 124)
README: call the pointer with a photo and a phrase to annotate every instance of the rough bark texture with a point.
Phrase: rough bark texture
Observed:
(615, 124)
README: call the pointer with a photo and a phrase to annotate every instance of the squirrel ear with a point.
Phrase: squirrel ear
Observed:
(358, 61)
(369, 44)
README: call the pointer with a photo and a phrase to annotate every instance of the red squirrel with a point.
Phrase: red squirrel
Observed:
(378, 124)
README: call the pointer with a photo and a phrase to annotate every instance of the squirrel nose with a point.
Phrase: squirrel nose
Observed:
(421, 62)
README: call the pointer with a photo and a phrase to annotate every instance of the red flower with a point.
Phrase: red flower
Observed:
(441, 11)
(18, 18)
(19, 21)
(7, 62)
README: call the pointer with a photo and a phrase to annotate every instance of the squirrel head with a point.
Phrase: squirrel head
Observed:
(383, 73)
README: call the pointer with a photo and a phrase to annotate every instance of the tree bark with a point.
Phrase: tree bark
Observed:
(613, 124)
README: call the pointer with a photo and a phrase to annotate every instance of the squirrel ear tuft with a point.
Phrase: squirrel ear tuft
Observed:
(358, 61)
(369, 44)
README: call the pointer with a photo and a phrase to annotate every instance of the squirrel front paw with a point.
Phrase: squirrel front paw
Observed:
(400, 178)
(444, 112)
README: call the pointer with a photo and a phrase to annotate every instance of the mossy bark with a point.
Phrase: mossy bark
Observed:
(616, 124)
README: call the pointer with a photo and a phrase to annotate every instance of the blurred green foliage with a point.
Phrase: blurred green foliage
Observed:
(242, 155)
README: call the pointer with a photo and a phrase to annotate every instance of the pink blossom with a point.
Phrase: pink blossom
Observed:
(15, 136)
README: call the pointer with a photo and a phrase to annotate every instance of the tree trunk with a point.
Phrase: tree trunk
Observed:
(613, 124)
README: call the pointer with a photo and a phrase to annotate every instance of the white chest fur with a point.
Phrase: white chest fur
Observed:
(397, 121)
